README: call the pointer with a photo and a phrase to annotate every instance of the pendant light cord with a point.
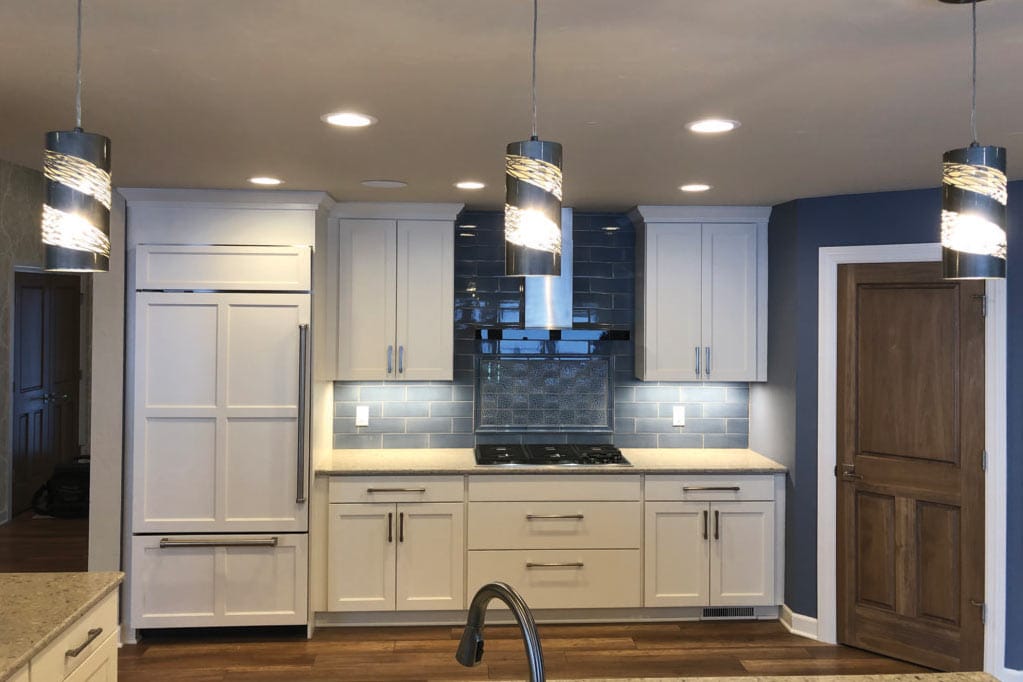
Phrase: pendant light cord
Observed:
(973, 76)
(78, 75)
(535, 15)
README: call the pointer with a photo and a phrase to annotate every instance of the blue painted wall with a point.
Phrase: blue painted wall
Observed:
(869, 219)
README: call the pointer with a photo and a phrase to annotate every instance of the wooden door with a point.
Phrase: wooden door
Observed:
(742, 554)
(910, 479)
(425, 300)
(729, 310)
(45, 376)
(361, 557)
(677, 551)
(431, 557)
(366, 314)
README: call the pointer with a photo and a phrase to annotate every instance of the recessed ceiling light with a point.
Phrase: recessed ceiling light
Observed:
(264, 180)
(349, 119)
(712, 125)
(695, 187)
(469, 184)
(384, 184)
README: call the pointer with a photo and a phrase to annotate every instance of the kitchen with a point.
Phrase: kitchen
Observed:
(798, 230)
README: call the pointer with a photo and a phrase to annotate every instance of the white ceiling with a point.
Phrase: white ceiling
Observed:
(835, 96)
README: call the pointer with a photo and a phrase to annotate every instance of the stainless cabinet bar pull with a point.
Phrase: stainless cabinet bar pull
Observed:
(390, 356)
(303, 409)
(530, 517)
(717, 525)
(707, 364)
(705, 488)
(401, 526)
(697, 349)
(556, 564)
(401, 359)
(214, 542)
(705, 514)
(395, 490)
(390, 526)
(93, 634)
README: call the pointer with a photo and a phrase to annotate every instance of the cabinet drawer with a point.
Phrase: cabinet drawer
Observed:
(225, 268)
(589, 578)
(219, 580)
(92, 630)
(553, 487)
(362, 489)
(101, 665)
(554, 525)
(709, 487)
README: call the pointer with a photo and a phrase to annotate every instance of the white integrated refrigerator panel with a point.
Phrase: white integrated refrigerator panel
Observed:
(218, 434)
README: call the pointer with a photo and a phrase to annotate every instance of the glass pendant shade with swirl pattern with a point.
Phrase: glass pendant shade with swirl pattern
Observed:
(76, 211)
(973, 201)
(532, 209)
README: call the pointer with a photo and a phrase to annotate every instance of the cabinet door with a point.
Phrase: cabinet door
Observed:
(425, 300)
(101, 665)
(669, 334)
(361, 559)
(742, 554)
(730, 302)
(366, 299)
(215, 433)
(677, 551)
(431, 557)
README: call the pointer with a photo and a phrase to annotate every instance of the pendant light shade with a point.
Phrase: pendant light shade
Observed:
(974, 193)
(76, 211)
(532, 204)
(532, 209)
(973, 199)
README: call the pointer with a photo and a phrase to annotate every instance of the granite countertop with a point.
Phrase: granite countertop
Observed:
(37, 607)
(907, 677)
(461, 461)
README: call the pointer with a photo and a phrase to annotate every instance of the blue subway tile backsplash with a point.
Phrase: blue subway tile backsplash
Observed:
(445, 415)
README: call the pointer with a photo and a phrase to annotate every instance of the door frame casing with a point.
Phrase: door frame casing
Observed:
(995, 436)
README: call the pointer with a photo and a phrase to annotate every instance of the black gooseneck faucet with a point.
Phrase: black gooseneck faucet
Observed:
(470, 648)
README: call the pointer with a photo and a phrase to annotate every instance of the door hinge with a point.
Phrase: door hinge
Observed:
(983, 304)
(836, 471)
(983, 460)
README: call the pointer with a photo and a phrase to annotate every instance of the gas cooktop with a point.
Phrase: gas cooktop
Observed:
(559, 454)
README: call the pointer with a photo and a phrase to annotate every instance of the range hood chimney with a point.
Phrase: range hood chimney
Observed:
(548, 300)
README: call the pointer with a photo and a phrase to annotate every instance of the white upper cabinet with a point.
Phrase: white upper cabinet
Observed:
(395, 291)
(701, 293)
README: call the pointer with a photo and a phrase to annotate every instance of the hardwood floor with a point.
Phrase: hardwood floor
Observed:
(743, 648)
(33, 545)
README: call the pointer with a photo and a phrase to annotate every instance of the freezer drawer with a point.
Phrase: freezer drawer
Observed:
(218, 580)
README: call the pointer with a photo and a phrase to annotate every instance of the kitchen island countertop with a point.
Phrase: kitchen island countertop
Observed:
(905, 677)
(461, 461)
(38, 607)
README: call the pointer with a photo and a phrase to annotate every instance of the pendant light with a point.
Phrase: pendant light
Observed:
(973, 198)
(76, 211)
(532, 206)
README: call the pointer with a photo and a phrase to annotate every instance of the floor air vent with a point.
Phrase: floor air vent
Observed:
(728, 612)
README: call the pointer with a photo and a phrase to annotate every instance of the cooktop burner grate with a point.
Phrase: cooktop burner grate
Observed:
(551, 454)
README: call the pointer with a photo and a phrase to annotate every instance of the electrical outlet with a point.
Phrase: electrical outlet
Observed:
(362, 415)
(678, 415)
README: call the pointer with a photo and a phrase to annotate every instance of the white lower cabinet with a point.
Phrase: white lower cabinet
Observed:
(85, 652)
(403, 556)
(709, 553)
(205, 581)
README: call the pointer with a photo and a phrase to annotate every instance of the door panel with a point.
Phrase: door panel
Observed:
(742, 554)
(431, 557)
(672, 290)
(425, 300)
(179, 364)
(361, 557)
(729, 309)
(176, 473)
(260, 467)
(677, 547)
(910, 440)
(262, 353)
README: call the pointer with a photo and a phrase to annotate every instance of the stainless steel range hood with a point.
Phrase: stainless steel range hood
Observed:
(548, 300)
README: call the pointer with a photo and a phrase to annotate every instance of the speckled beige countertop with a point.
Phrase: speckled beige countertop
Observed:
(911, 677)
(461, 461)
(36, 607)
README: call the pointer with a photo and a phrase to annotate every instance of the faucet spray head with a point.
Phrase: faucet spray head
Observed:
(470, 647)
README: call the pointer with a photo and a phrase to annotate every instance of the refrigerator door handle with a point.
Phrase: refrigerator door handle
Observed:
(221, 542)
(303, 410)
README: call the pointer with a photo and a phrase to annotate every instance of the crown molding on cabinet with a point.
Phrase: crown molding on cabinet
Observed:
(277, 199)
(700, 214)
(398, 210)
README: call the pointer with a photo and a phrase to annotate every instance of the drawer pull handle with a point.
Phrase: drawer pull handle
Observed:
(213, 542)
(556, 564)
(93, 634)
(395, 490)
(531, 517)
(709, 488)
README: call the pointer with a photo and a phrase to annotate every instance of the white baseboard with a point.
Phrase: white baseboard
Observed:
(798, 624)
(1007, 674)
